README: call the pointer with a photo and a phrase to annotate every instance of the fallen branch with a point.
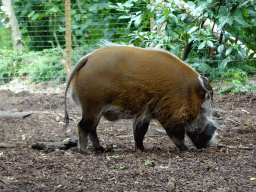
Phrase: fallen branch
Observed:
(235, 147)
(160, 131)
(66, 144)
(12, 114)
(7, 145)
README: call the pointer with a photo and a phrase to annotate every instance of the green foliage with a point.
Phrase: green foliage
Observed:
(9, 66)
(40, 66)
(181, 28)
(42, 23)
(5, 37)
(238, 88)
(237, 78)
(46, 65)
(238, 74)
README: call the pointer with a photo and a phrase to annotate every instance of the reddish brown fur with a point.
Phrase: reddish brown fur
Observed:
(147, 81)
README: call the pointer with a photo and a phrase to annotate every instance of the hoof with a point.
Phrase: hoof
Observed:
(183, 148)
(139, 146)
(84, 151)
(99, 149)
(139, 149)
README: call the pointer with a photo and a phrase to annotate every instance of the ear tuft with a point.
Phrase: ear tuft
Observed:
(204, 82)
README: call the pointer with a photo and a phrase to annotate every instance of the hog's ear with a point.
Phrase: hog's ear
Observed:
(204, 82)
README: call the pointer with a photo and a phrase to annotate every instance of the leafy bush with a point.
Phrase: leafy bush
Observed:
(39, 66)
(42, 24)
(10, 65)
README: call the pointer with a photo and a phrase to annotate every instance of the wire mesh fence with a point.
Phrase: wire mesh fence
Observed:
(42, 28)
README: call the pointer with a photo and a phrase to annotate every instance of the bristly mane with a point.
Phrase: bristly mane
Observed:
(105, 43)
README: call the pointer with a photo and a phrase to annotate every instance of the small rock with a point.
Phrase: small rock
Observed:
(171, 183)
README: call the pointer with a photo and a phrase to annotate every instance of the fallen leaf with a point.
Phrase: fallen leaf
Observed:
(150, 163)
(10, 178)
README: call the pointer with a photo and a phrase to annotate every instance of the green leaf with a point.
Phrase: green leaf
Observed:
(114, 167)
(229, 50)
(192, 29)
(54, 9)
(77, 17)
(223, 64)
(203, 33)
(251, 56)
(244, 3)
(183, 16)
(160, 21)
(138, 20)
(31, 14)
(128, 4)
(226, 37)
(220, 48)
(102, 5)
(79, 32)
(210, 44)
(35, 16)
(151, 14)
(124, 167)
(117, 156)
(202, 45)
(73, 12)
(175, 35)
(191, 3)
(227, 89)
(223, 21)
(113, 6)
(202, 67)
(41, 15)
(93, 8)
(241, 21)
(124, 17)
(242, 53)
(75, 27)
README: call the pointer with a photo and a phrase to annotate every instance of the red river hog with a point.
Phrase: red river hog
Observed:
(124, 82)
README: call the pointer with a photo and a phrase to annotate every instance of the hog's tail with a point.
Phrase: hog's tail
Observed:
(78, 66)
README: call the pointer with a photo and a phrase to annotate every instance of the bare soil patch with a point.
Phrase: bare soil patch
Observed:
(160, 168)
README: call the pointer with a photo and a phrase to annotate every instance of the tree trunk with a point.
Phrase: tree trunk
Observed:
(13, 23)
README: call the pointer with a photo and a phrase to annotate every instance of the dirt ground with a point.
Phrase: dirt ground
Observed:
(160, 168)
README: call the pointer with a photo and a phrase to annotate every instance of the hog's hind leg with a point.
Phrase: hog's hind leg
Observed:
(83, 131)
(87, 127)
(140, 127)
(95, 140)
